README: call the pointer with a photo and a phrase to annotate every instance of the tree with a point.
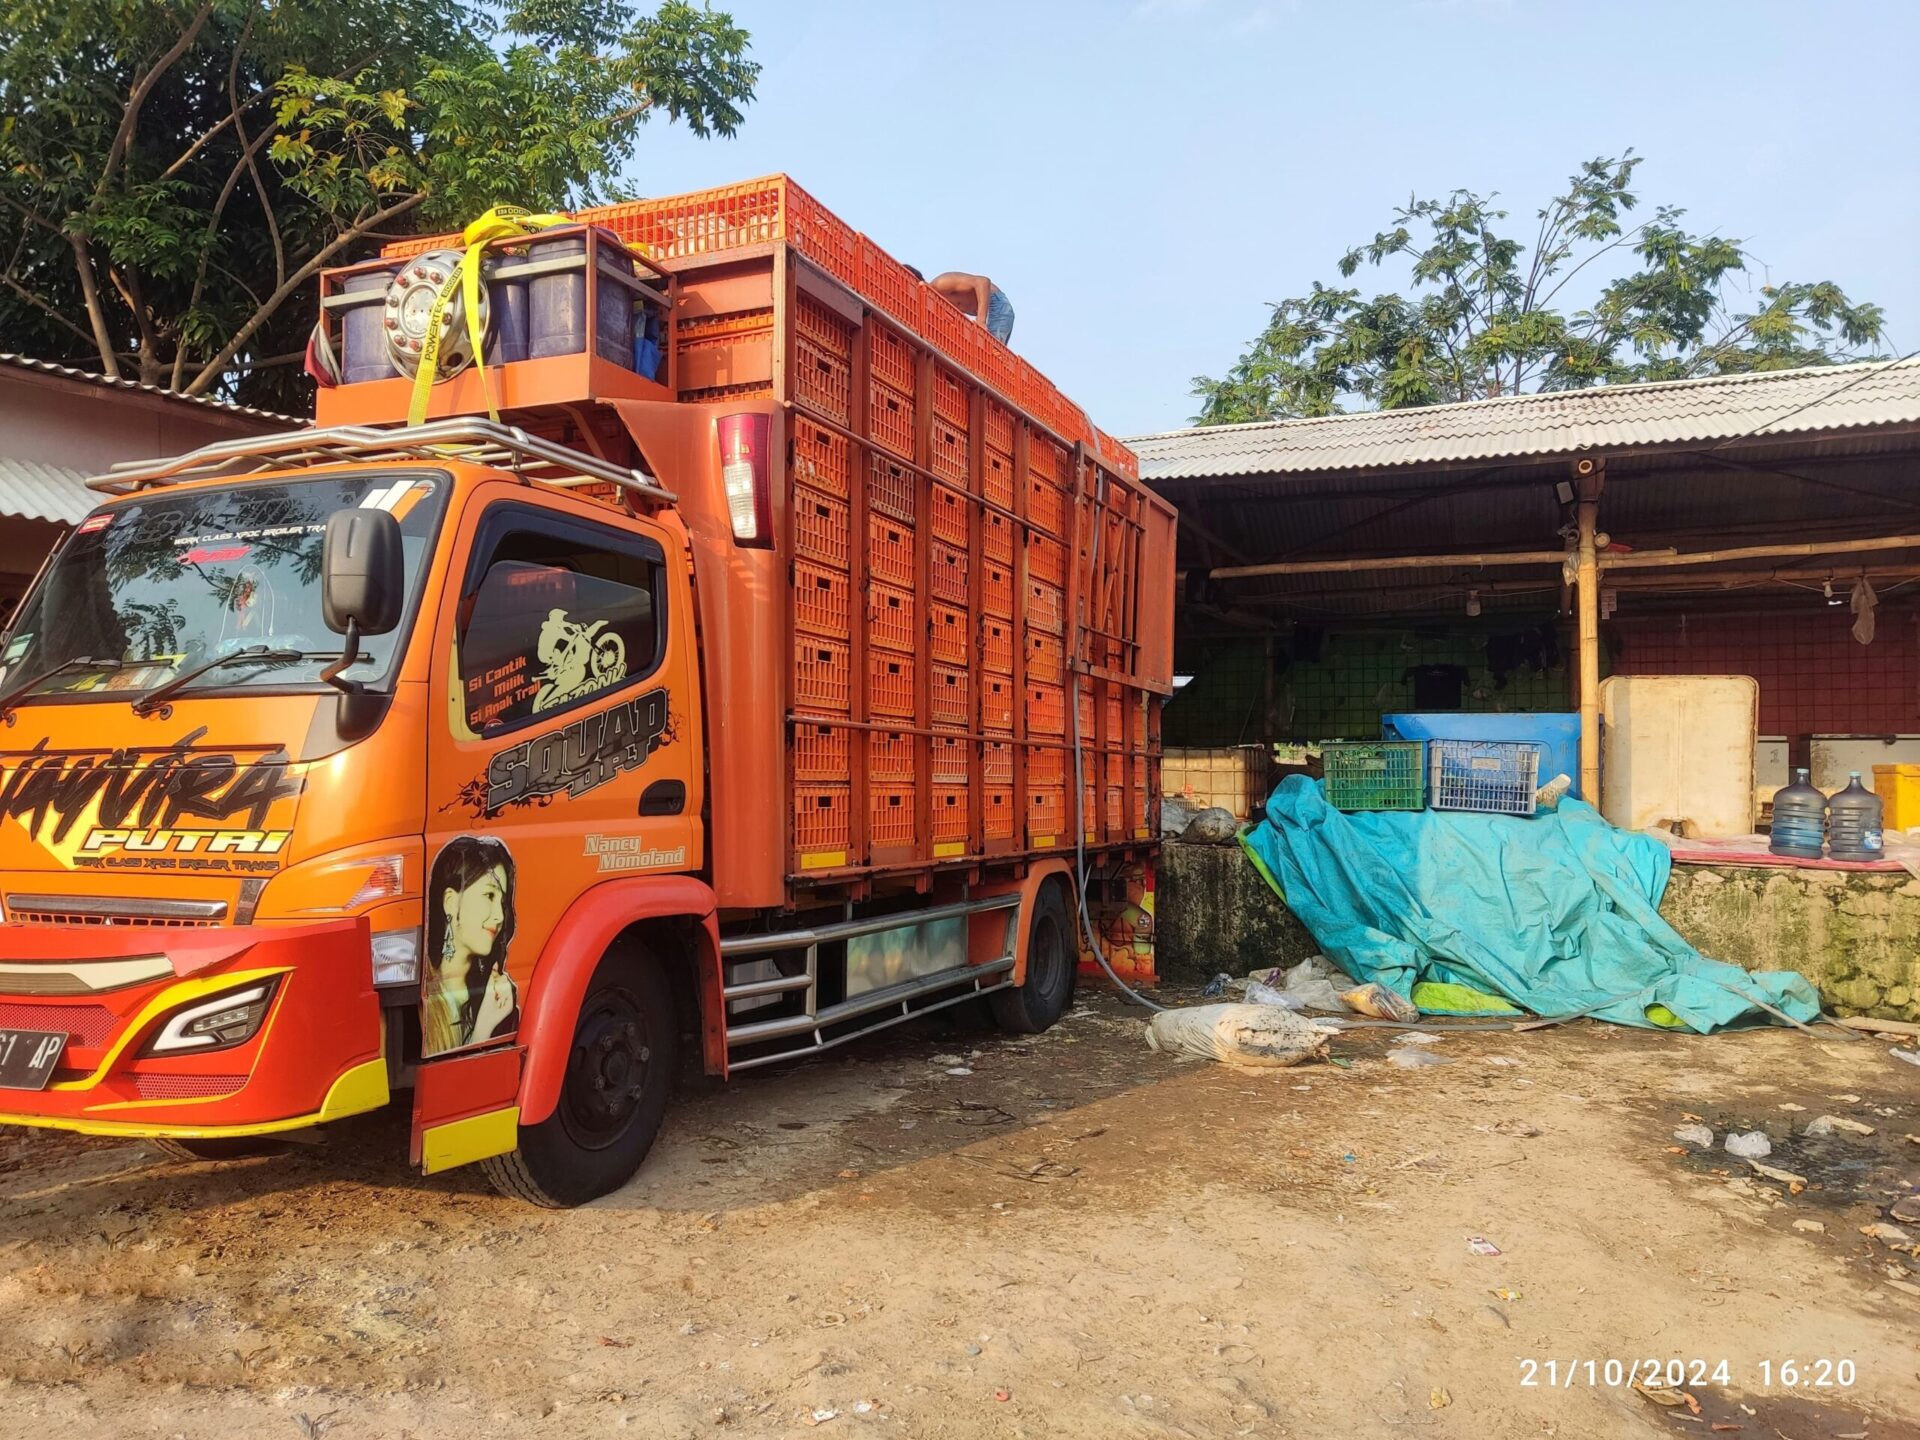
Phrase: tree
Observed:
(1484, 314)
(174, 174)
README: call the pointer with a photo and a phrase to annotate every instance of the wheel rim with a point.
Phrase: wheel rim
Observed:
(607, 1072)
(1046, 957)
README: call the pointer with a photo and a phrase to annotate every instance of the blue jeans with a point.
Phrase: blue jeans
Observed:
(999, 314)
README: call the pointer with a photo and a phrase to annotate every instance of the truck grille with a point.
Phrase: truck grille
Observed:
(115, 910)
(185, 1087)
(85, 1025)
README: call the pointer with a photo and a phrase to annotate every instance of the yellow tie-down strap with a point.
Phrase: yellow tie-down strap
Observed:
(501, 222)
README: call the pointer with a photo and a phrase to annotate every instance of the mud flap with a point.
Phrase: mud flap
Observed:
(465, 1108)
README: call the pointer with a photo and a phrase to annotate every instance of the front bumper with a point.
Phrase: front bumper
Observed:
(316, 1056)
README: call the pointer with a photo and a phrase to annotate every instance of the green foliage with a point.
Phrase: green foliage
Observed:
(1484, 314)
(175, 173)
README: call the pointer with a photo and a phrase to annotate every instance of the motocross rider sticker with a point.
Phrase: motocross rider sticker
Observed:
(580, 756)
(580, 659)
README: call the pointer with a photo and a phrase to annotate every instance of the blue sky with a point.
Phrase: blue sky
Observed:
(1142, 176)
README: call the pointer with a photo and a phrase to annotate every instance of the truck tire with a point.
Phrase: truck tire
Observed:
(1053, 961)
(613, 1094)
(218, 1148)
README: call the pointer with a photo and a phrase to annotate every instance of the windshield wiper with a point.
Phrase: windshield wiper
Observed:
(20, 692)
(251, 654)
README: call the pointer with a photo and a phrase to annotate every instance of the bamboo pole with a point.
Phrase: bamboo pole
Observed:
(1383, 562)
(1644, 559)
(1589, 476)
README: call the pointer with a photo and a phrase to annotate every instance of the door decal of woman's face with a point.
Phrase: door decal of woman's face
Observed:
(466, 997)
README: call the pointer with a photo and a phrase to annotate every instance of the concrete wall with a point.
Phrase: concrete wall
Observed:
(57, 420)
(1856, 936)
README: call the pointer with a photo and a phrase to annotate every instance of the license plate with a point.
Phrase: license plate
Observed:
(27, 1058)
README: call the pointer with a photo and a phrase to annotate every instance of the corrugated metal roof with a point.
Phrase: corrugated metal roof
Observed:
(47, 367)
(1724, 407)
(44, 492)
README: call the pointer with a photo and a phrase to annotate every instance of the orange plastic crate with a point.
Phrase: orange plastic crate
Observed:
(890, 419)
(1046, 505)
(999, 428)
(950, 814)
(996, 480)
(1046, 767)
(996, 703)
(996, 536)
(1047, 817)
(999, 367)
(822, 236)
(952, 695)
(953, 335)
(822, 674)
(820, 457)
(949, 515)
(996, 763)
(814, 322)
(890, 359)
(1047, 659)
(949, 760)
(1114, 809)
(889, 551)
(889, 284)
(889, 755)
(820, 523)
(821, 600)
(996, 648)
(952, 398)
(821, 815)
(891, 821)
(949, 635)
(891, 487)
(822, 752)
(1046, 459)
(949, 573)
(996, 590)
(890, 617)
(949, 452)
(723, 218)
(890, 685)
(1110, 709)
(1090, 810)
(1084, 703)
(1046, 559)
(996, 819)
(822, 381)
(1046, 709)
(1046, 607)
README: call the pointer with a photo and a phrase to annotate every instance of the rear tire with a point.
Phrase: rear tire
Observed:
(220, 1148)
(1053, 963)
(613, 1096)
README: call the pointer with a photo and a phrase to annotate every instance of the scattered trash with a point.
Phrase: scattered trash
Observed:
(1794, 1183)
(1668, 1399)
(1788, 1105)
(1415, 1059)
(1438, 1399)
(1003, 1394)
(1480, 1245)
(1381, 1003)
(1753, 1145)
(945, 1060)
(1892, 1234)
(1248, 1035)
(1812, 1227)
(1316, 985)
(1348, 1158)
(1216, 986)
(959, 1070)
(1259, 993)
(1701, 1135)
(1417, 1037)
(1549, 795)
(1507, 1295)
(863, 1407)
(818, 1417)
(1912, 1057)
(1827, 1124)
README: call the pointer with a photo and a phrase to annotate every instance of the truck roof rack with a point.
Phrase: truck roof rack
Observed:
(481, 442)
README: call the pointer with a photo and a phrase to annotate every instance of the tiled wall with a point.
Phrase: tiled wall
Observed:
(1815, 678)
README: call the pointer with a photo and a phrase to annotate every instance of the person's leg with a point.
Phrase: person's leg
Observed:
(999, 315)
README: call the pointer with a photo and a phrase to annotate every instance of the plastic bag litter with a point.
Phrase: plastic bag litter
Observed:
(1700, 1135)
(1253, 1036)
(1316, 985)
(1411, 1059)
(1753, 1145)
(1176, 813)
(1378, 1001)
(1258, 993)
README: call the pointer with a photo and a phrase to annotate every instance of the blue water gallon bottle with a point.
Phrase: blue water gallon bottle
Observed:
(1799, 819)
(1854, 823)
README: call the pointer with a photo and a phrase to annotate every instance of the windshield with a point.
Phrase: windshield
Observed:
(148, 590)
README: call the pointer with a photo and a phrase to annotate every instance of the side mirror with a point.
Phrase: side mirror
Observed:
(363, 575)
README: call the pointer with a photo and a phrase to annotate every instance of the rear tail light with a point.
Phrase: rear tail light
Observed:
(746, 471)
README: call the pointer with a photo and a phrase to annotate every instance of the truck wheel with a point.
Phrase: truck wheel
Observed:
(1053, 960)
(612, 1097)
(218, 1148)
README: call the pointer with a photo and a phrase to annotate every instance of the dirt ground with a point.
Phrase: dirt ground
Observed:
(1078, 1238)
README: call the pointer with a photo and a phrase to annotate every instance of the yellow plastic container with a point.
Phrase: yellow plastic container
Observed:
(1898, 787)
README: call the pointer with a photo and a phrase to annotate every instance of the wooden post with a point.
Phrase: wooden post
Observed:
(1589, 476)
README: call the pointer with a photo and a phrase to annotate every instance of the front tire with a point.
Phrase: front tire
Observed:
(613, 1097)
(1053, 962)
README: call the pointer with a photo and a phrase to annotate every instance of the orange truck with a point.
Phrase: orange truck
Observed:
(736, 648)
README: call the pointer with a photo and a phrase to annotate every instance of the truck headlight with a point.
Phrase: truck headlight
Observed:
(217, 1024)
(396, 957)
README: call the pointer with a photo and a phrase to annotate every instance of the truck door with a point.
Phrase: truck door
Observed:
(565, 754)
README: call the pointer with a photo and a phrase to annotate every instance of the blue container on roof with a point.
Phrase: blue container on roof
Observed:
(1558, 736)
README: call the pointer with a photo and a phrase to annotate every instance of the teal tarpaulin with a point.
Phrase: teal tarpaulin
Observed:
(1557, 913)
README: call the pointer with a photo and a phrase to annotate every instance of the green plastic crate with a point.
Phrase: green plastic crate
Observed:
(1376, 775)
